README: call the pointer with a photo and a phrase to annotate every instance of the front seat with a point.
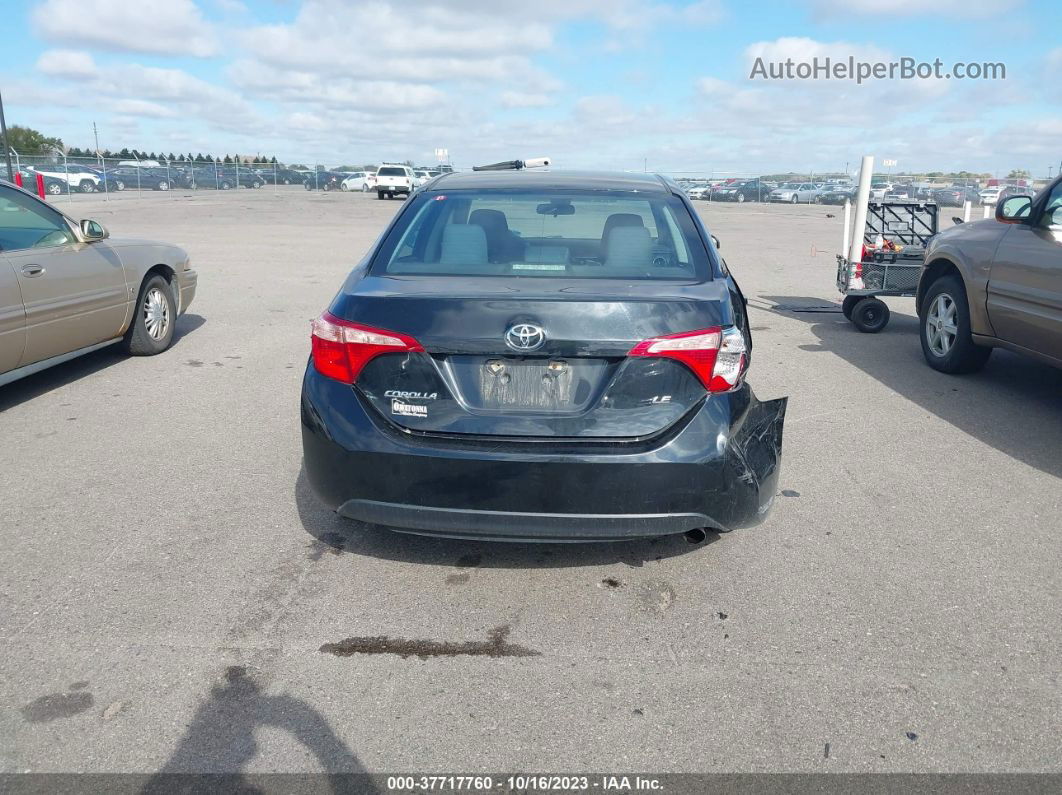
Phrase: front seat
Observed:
(463, 244)
(612, 222)
(502, 245)
(630, 249)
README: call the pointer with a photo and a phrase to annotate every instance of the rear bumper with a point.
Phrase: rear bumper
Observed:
(719, 470)
(519, 525)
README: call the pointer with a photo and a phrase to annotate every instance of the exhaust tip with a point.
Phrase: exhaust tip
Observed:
(696, 535)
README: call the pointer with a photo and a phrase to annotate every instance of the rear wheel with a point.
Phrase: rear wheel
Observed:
(163, 184)
(947, 342)
(308, 185)
(740, 198)
(54, 188)
(794, 200)
(870, 315)
(151, 331)
(365, 187)
(87, 186)
(225, 184)
(379, 194)
(848, 304)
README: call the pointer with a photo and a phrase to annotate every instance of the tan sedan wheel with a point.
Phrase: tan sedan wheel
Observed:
(151, 330)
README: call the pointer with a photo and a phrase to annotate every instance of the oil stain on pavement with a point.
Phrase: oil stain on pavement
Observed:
(496, 645)
(58, 705)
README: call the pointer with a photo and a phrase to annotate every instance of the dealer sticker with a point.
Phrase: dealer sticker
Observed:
(408, 409)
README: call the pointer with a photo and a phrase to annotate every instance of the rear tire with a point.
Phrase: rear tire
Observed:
(225, 185)
(794, 200)
(163, 185)
(741, 198)
(870, 315)
(54, 189)
(87, 186)
(848, 304)
(948, 352)
(151, 331)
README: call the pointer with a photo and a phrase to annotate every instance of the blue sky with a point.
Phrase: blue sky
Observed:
(592, 83)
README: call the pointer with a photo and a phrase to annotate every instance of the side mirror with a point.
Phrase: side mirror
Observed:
(1013, 210)
(92, 231)
(716, 243)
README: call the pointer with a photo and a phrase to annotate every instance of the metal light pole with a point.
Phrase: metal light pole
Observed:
(3, 140)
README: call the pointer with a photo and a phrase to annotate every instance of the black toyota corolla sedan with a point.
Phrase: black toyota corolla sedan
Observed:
(540, 355)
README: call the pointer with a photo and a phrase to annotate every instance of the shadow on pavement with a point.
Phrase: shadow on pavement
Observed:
(221, 740)
(1013, 405)
(335, 532)
(41, 383)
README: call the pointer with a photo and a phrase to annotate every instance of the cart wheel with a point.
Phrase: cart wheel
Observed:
(848, 304)
(870, 315)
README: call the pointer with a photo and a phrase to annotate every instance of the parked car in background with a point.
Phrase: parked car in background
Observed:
(394, 180)
(135, 178)
(109, 182)
(998, 193)
(908, 193)
(420, 178)
(745, 190)
(878, 189)
(566, 361)
(52, 185)
(78, 178)
(796, 193)
(995, 283)
(955, 196)
(282, 176)
(837, 194)
(325, 180)
(358, 180)
(66, 289)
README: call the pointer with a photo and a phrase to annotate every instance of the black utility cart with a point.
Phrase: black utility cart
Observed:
(894, 243)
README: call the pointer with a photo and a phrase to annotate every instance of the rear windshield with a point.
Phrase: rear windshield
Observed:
(387, 171)
(589, 235)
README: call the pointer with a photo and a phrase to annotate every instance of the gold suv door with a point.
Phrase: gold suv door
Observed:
(74, 293)
(1025, 284)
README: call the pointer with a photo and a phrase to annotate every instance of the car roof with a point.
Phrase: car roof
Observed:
(546, 179)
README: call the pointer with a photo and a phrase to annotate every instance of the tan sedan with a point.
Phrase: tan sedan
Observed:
(67, 289)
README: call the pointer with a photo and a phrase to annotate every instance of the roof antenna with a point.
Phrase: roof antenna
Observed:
(515, 165)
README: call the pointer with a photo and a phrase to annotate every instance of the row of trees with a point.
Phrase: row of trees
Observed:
(136, 154)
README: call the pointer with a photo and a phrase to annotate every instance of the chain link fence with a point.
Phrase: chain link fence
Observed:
(71, 177)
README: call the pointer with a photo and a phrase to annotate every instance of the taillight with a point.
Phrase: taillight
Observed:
(341, 349)
(717, 356)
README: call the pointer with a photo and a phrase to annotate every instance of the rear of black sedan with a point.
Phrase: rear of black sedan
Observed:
(537, 355)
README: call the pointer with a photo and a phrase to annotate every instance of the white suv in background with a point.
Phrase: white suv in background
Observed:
(76, 177)
(393, 179)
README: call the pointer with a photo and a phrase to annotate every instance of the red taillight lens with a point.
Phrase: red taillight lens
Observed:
(717, 356)
(341, 349)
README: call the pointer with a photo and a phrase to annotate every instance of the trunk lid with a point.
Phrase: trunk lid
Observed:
(577, 383)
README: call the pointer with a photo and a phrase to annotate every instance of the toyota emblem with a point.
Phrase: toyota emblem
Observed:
(525, 337)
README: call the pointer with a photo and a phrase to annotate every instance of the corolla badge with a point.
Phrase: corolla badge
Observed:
(525, 337)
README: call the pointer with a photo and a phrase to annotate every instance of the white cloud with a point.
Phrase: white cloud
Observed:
(162, 27)
(522, 99)
(71, 64)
